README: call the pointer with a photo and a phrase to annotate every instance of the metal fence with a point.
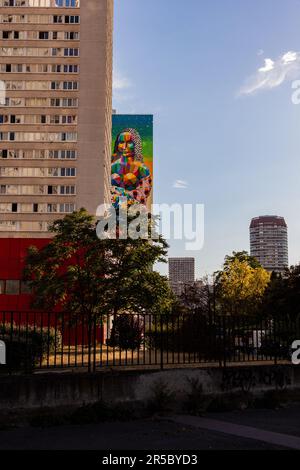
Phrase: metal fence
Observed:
(55, 340)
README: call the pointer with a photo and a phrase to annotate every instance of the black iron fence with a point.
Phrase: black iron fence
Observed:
(39, 340)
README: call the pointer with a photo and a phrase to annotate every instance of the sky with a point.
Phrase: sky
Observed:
(218, 77)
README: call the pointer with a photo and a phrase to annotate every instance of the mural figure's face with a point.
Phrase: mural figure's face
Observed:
(126, 145)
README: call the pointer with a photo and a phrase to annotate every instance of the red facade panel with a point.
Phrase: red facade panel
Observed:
(13, 253)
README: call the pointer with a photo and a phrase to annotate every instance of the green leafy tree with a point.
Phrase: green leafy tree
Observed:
(82, 274)
(196, 297)
(240, 287)
(241, 256)
(282, 297)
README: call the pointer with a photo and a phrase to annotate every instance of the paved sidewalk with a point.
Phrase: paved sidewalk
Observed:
(240, 431)
(253, 429)
(135, 435)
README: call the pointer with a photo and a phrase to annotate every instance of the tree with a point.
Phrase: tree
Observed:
(282, 297)
(293, 292)
(241, 256)
(196, 297)
(82, 274)
(241, 285)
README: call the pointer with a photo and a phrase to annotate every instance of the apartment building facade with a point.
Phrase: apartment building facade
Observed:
(181, 273)
(55, 116)
(269, 242)
(55, 122)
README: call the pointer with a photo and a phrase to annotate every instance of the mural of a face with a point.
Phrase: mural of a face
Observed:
(126, 145)
(131, 178)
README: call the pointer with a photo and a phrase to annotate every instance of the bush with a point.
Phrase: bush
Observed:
(191, 334)
(126, 333)
(101, 412)
(275, 348)
(196, 402)
(27, 346)
(231, 402)
(162, 397)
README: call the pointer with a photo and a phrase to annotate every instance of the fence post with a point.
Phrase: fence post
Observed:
(10, 366)
(89, 340)
(161, 344)
(94, 343)
(218, 340)
(276, 349)
(224, 340)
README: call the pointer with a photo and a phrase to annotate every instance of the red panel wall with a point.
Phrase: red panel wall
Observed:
(13, 253)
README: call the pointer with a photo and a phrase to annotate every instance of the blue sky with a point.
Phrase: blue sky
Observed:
(227, 129)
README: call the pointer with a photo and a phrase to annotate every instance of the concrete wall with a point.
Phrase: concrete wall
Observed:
(73, 389)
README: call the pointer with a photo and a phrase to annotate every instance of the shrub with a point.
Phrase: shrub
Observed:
(196, 402)
(161, 398)
(191, 334)
(275, 348)
(127, 332)
(27, 346)
(230, 402)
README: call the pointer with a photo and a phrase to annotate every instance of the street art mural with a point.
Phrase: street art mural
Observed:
(132, 159)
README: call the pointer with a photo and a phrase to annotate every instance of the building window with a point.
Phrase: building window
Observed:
(43, 35)
(12, 287)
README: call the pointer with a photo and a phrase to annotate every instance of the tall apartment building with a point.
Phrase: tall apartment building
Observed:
(181, 273)
(55, 139)
(55, 118)
(269, 242)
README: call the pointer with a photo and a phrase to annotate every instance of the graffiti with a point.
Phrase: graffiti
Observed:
(246, 379)
(243, 379)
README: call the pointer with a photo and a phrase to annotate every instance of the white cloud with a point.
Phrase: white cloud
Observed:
(269, 65)
(120, 82)
(289, 57)
(273, 73)
(122, 91)
(180, 184)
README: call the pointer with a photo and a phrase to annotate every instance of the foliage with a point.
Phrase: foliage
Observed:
(127, 332)
(196, 402)
(241, 285)
(162, 397)
(190, 333)
(83, 274)
(196, 297)
(282, 297)
(276, 347)
(231, 401)
(241, 256)
(27, 346)
(97, 412)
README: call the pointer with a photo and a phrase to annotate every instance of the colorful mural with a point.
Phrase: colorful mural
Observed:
(132, 159)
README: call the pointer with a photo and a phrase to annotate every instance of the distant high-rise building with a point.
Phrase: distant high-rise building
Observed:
(181, 273)
(269, 242)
